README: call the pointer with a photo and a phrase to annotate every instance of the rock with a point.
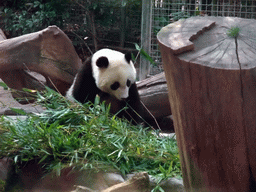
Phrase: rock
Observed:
(169, 185)
(172, 185)
(112, 178)
(139, 182)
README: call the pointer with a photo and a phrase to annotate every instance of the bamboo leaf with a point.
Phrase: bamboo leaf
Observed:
(161, 169)
(138, 150)
(170, 168)
(44, 157)
(145, 54)
(16, 158)
(29, 90)
(137, 47)
(19, 111)
(119, 154)
(2, 84)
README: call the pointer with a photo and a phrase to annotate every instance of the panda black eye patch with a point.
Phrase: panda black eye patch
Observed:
(128, 83)
(115, 86)
(102, 62)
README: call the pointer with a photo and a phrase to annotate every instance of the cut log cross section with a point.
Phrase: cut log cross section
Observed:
(210, 67)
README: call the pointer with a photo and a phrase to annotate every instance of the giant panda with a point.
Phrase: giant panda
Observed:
(111, 75)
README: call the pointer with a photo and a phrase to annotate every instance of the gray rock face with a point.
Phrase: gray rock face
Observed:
(172, 185)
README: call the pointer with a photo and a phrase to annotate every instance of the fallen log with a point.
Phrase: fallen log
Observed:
(48, 52)
(154, 95)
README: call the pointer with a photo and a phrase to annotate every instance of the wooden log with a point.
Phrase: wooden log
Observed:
(210, 72)
(48, 52)
(154, 95)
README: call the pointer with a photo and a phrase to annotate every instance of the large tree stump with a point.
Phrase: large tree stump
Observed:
(211, 77)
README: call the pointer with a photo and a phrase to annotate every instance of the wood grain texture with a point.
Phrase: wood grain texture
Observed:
(48, 52)
(212, 91)
(154, 95)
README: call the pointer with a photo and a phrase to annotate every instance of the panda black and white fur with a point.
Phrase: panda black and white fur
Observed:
(111, 75)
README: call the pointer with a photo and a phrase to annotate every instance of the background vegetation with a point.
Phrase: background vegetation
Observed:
(102, 22)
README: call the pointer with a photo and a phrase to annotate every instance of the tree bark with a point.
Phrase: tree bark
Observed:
(48, 52)
(211, 76)
(154, 95)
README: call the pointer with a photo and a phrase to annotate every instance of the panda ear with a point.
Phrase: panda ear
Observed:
(102, 62)
(128, 57)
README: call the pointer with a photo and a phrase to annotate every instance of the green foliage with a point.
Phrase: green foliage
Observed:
(180, 15)
(160, 22)
(108, 12)
(104, 12)
(27, 17)
(2, 84)
(2, 184)
(100, 20)
(144, 54)
(233, 32)
(86, 135)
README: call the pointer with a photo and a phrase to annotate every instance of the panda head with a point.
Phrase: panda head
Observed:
(113, 72)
